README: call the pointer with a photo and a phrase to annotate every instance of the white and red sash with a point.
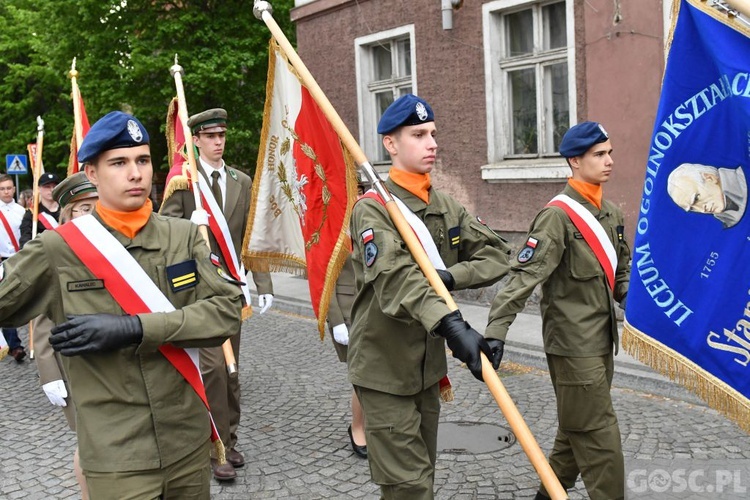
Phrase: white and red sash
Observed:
(217, 223)
(425, 239)
(47, 220)
(132, 289)
(593, 233)
(9, 230)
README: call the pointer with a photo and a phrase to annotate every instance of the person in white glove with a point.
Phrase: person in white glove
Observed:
(341, 334)
(56, 392)
(339, 316)
(231, 190)
(265, 300)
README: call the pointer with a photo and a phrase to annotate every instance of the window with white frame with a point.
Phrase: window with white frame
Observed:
(385, 71)
(530, 79)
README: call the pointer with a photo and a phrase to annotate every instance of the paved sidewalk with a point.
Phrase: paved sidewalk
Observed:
(524, 342)
(296, 410)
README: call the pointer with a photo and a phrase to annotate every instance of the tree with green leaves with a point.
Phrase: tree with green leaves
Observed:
(124, 49)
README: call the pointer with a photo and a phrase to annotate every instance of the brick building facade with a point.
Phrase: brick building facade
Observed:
(506, 78)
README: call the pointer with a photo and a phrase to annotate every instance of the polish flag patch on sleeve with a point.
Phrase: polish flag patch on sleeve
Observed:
(367, 235)
(532, 242)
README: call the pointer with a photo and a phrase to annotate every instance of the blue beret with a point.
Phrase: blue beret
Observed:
(406, 110)
(114, 130)
(579, 138)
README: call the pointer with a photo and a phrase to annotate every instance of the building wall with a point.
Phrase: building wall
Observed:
(618, 77)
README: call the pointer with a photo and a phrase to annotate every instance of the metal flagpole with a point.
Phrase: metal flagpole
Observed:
(263, 11)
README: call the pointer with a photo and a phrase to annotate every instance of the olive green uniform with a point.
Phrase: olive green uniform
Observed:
(579, 330)
(394, 361)
(223, 391)
(135, 412)
(340, 307)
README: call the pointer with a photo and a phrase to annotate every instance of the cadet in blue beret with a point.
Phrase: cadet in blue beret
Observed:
(396, 353)
(127, 289)
(580, 288)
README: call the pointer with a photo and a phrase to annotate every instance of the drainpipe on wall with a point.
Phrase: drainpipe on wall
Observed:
(448, 6)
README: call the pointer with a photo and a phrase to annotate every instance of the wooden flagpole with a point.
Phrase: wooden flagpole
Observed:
(176, 71)
(263, 11)
(77, 120)
(36, 171)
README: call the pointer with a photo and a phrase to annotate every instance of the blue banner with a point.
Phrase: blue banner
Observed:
(688, 307)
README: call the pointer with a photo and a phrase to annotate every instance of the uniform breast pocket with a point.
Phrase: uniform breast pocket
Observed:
(582, 261)
(84, 293)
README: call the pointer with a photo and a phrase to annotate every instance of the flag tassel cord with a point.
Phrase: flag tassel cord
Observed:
(713, 391)
(262, 11)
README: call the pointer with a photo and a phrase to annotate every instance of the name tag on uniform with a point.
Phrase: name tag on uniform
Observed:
(183, 275)
(80, 286)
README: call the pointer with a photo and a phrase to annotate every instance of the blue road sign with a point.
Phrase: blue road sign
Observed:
(16, 164)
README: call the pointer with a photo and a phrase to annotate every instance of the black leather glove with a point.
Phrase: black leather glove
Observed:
(465, 342)
(95, 333)
(498, 348)
(447, 278)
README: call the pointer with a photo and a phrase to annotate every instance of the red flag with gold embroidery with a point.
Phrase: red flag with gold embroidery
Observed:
(177, 178)
(304, 189)
(79, 119)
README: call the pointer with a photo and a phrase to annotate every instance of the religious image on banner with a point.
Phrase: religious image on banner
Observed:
(688, 306)
(304, 188)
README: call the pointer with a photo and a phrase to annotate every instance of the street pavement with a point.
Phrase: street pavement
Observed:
(296, 409)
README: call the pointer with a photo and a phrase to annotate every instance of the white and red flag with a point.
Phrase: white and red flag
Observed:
(304, 188)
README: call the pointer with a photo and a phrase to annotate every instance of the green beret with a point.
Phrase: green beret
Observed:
(73, 188)
(208, 120)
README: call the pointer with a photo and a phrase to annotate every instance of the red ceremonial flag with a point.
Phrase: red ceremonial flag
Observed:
(73, 166)
(305, 186)
(177, 178)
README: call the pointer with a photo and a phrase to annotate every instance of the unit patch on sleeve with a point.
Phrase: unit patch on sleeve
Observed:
(183, 275)
(527, 252)
(215, 260)
(454, 235)
(371, 249)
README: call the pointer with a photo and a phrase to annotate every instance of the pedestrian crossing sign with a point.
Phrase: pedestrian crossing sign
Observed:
(16, 164)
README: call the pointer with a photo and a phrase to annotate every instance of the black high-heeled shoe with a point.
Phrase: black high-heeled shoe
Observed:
(360, 451)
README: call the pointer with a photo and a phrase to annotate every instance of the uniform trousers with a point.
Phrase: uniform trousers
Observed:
(401, 434)
(222, 391)
(12, 338)
(588, 435)
(186, 479)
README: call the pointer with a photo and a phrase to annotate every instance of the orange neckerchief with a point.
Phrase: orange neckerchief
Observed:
(127, 223)
(416, 184)
(592, 192)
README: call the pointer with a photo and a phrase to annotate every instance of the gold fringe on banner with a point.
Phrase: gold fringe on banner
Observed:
(716, 393)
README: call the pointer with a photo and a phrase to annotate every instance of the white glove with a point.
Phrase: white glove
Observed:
(264, 302)
(341, 334)
(56, 392)
(199, 217)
